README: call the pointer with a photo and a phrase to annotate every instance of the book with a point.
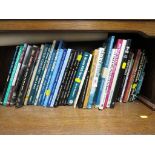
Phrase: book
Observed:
(95, 54)
(97, 72)
(78, 78)
(60, 91)
(82, 81)
(43, 73)
(105, 67)
(111, 99)
(12, 75)
(51, 101)
(131, 76)
(40, 51)
(120, 75)
(48, 91)
(126, 75)
(108, 85)
(61, 76)
(10, 71)
(26, 78)
(70, 77)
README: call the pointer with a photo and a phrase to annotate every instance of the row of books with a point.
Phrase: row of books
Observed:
(51, 75)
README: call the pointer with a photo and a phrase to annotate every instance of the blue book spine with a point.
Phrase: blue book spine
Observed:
(32, 92)
(50, 76)
(61, 76)
(50, 102)
(12, 75)
(105, 66)
(78, 78)
(48, 91)
(52, 55)
(96, 77)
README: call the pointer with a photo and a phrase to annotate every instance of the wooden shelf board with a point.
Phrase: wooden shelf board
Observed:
(144, 26)
(123, 119)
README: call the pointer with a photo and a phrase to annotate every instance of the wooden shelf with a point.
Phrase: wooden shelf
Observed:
(142, 26)
(123, 119)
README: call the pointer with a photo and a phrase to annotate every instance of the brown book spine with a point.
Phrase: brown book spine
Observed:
(131, 76)
(92, 72)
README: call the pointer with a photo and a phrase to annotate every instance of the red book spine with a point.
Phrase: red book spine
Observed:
(131, 76)
(118, 47)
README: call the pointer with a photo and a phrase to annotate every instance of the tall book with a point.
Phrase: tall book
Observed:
(82, 81)
(131, 76)
(113, 90)
(78, 78)
(105, 67)
(10, 71)
(120, 75)
(48, 91)
(12, 75)
(95, 54)
(60, 91)
(97, 72)
(126, 76)
(108, 83)
(71, 77)
(61, 76)
(26, 79)
(51, 101)
(84, 89)
(40, 51)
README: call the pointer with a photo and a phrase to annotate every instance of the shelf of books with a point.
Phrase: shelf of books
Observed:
(80, 69)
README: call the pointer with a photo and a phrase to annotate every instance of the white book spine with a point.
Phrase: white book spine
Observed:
(82, 81)
(33, 76)
(107, 80)
(127, 76)
(116, 72)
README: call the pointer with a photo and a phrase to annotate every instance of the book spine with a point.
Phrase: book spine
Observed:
(40, 51)
(103, 102)
(61, 76)
(82, 81)
(126, 75)
(70, 77)
(26, 79)
(32, 92)
(83, 91)
(12, 75)
(120, 75)
(38, 84)
(92, 72)
(116, 74)
(78, 78)
(105, 67)
(51, 101)
(47, 72)
(43, 73)
(10, 71)
(16, 75)
(60, 92)
(96, 77)
(49, 90)
(134, 84)
(131, 76)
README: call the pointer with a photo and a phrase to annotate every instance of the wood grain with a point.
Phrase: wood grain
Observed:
(143, 26)
(123, 119)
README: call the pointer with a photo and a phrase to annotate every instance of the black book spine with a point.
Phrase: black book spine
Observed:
(26, 79)
(10, 71)
(121, 73)
(134, 84)
(63, 80)
(84, 90)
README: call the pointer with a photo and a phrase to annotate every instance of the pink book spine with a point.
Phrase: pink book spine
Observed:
(118, 47)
